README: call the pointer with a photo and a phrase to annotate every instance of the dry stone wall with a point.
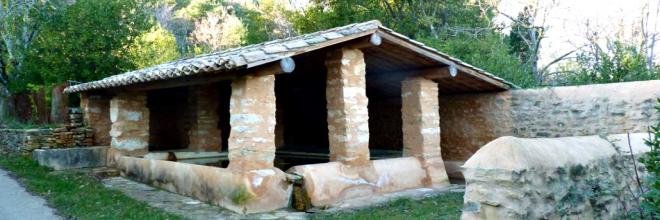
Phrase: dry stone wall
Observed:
(584, 177)
(73, 134)
(472, 120)
(23, 140)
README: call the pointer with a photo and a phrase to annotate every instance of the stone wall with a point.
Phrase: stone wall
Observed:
(471, 120)
(72, 134)
(203, 104)
(95, 109)
(23, 140)
(553, 178)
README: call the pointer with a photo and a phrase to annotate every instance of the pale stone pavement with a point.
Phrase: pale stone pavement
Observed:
(188, 207)
(18, 204)
(193, 209)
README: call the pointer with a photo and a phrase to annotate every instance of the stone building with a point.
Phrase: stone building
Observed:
(342, 113)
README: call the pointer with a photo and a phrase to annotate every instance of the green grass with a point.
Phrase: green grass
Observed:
(77, 195)
(445, 206)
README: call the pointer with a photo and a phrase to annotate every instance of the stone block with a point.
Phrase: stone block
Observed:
(72, 158)
(539, 178)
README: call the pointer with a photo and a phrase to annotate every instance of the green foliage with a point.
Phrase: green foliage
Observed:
(456, 27)
(651, 199)
(620, 62)
(85, 41)
(76, 195)
(488, 52)
(154, 47)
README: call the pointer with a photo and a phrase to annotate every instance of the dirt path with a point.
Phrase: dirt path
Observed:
(16, 203)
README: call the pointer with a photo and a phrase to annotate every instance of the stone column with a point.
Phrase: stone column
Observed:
(252, 120)
(130, 123)
(96, 114)
(204, 134)
(421, 126)
(348, 116)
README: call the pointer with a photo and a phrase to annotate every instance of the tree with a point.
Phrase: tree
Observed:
(220, 29)
(618, 62)
(154, 47)
(18, 27)
(86, 41)
(525, 40)
(461, 28)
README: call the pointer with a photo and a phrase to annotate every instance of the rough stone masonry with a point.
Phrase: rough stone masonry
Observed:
(348, 116)
(252, 136)
(421, 127)
(130, 123)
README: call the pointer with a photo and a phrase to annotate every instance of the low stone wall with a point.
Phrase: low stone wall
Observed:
(240, 191)
(327, 184)
(23, 140)
(71, 158)
(469, 121)
(552, 178)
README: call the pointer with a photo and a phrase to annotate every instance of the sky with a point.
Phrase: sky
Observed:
(566, 21)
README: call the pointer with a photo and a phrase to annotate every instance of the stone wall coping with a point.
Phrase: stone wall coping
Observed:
(517, 154)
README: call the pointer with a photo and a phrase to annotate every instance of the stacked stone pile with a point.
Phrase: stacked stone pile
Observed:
(74, 134)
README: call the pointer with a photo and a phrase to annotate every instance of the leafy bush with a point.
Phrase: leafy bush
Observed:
(651, 199)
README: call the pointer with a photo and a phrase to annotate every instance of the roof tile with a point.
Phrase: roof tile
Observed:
(252, 55)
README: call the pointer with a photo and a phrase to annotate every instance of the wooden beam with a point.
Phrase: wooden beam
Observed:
(285, 65)
(373, 40)
(437, 73)
(439, 58)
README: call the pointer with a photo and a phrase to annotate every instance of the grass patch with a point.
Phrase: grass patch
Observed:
(78, 195)
(445, 206)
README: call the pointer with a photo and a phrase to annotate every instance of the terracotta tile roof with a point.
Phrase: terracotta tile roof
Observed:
(255, 55)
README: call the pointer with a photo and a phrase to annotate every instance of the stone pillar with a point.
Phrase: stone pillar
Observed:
(130, 123)
(420, 118)
(421, 126)
(58, 104)
(252, 110)
(348, 116)
(96, 114)
(204, 134)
